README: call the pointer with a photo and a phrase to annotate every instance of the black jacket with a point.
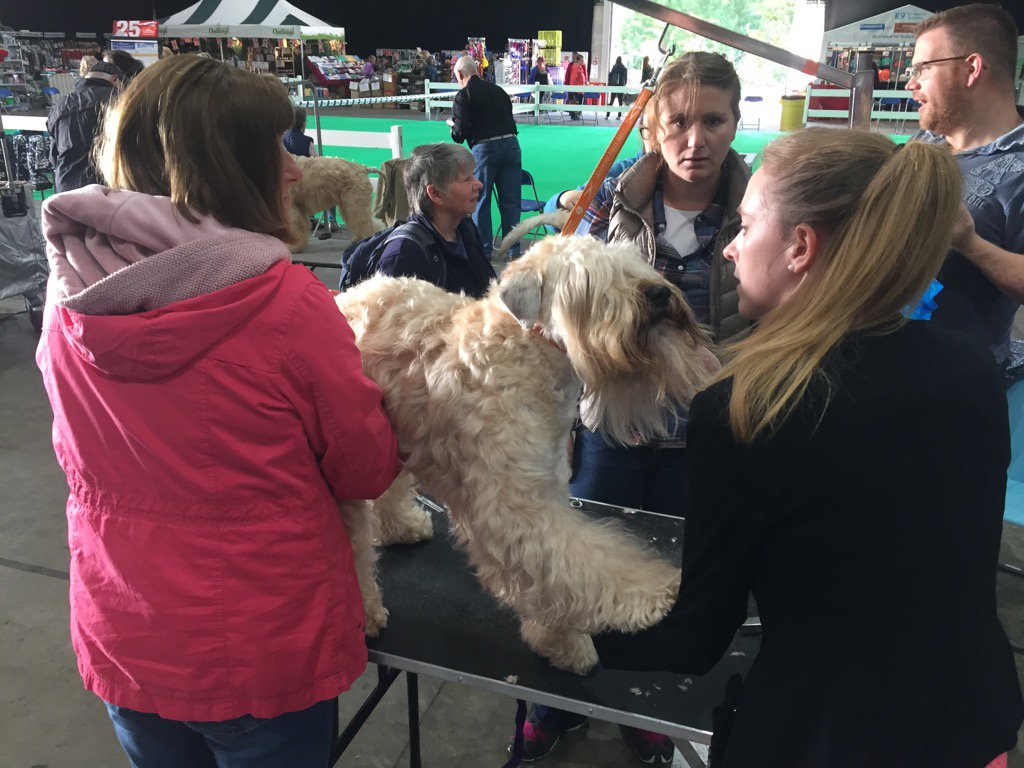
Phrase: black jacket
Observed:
(481, 111)
(868, 532)
(618, 75)
(72, 127)
(441, 265)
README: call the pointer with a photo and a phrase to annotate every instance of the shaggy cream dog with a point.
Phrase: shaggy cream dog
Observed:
(328, 182)
(483, 394)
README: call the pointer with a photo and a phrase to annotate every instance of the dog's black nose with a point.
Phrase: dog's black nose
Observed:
(658, 295)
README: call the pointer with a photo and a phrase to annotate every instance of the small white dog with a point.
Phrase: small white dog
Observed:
(482, 396)
(327, 182)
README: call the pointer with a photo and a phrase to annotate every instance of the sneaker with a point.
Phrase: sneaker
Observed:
(538, 741)
(650, 747)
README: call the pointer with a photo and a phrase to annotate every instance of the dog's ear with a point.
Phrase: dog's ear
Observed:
(521, 293)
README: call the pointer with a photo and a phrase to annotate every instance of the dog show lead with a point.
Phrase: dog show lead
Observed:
(848, 469)
(207, 433)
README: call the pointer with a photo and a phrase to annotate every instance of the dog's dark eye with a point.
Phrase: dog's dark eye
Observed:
(657, 295)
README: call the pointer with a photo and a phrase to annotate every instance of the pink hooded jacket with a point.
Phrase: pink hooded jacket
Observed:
(209, 411)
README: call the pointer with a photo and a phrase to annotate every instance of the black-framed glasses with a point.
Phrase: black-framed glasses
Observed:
(918, 70)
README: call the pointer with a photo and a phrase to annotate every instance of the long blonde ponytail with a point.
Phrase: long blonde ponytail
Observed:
(887, 215)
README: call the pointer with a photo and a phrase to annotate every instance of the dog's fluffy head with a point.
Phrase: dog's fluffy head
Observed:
(629, 333)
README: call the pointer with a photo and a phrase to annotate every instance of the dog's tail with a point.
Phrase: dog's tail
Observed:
(370, 169)
(554, 219)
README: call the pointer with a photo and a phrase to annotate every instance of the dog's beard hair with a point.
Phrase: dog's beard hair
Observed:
(629, 408)
(635, 371)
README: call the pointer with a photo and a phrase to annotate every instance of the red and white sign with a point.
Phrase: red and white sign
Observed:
(125, 28)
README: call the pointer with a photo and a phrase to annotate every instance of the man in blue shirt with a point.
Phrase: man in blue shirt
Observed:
(963, 78)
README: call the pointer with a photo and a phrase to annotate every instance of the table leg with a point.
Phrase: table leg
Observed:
(413, 691)
(385, 677)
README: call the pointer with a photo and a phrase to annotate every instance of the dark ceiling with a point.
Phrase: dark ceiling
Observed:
(368, 24)
(407, 23)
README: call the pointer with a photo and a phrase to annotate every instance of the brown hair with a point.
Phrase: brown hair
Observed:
(691, 71)
(875, 260)
(205, 134)
(980, 28)
(130, 66)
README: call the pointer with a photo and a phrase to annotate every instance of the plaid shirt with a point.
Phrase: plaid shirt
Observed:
(690, 272)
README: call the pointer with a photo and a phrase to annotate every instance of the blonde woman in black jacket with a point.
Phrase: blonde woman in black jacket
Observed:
(849, 469)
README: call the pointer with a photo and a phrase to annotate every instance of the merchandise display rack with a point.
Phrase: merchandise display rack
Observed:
(17, 90)
(518, 61)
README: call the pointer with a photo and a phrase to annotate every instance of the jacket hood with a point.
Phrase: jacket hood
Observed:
(139, 291)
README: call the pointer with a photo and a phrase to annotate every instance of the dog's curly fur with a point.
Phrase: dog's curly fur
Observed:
(327, 182)
(483, 394)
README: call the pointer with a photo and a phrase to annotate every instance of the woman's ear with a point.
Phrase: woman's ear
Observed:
(435, 194)
(807, 244)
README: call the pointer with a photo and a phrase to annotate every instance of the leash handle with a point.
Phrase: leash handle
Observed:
(597, 177)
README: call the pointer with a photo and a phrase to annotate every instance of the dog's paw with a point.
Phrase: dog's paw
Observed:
(577, 656)
(564, 648)
(376, 619)
(413, 525)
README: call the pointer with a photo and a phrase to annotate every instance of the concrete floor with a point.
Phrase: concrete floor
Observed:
(48, 721)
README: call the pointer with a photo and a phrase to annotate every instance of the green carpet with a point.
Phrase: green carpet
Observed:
(558, 156)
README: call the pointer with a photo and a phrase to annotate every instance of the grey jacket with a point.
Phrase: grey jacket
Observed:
(632, 220)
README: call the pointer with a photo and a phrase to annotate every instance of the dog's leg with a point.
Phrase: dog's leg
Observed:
(564, 648)
(359, 524)
(557, 566)
(357, 209)
(401, 519)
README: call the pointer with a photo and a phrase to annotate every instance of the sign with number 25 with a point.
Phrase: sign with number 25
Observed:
(124, 28)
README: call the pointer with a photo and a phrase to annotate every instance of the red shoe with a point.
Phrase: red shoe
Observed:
(538, 741)
(650, 747)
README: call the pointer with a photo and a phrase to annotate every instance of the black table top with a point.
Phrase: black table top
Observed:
(443, 624)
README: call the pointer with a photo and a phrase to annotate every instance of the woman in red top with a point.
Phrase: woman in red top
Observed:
(576, 74)
(210, 412)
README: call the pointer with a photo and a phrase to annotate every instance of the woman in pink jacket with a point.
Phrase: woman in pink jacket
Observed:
(209, 411)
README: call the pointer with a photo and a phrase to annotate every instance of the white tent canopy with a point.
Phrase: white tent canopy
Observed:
(247, 18)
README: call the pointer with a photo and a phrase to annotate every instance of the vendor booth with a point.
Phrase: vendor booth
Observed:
(281, 33)
(888, 40)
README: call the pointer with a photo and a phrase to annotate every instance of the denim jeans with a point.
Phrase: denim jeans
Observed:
(292, 740)
(641, 477)
(499, 166)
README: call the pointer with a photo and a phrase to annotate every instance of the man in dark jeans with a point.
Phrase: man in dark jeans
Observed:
(72, 125)
(482, 117)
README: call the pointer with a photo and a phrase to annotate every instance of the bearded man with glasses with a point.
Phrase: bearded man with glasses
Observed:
(962, 77)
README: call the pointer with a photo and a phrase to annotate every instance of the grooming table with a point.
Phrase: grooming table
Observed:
(444, 625)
